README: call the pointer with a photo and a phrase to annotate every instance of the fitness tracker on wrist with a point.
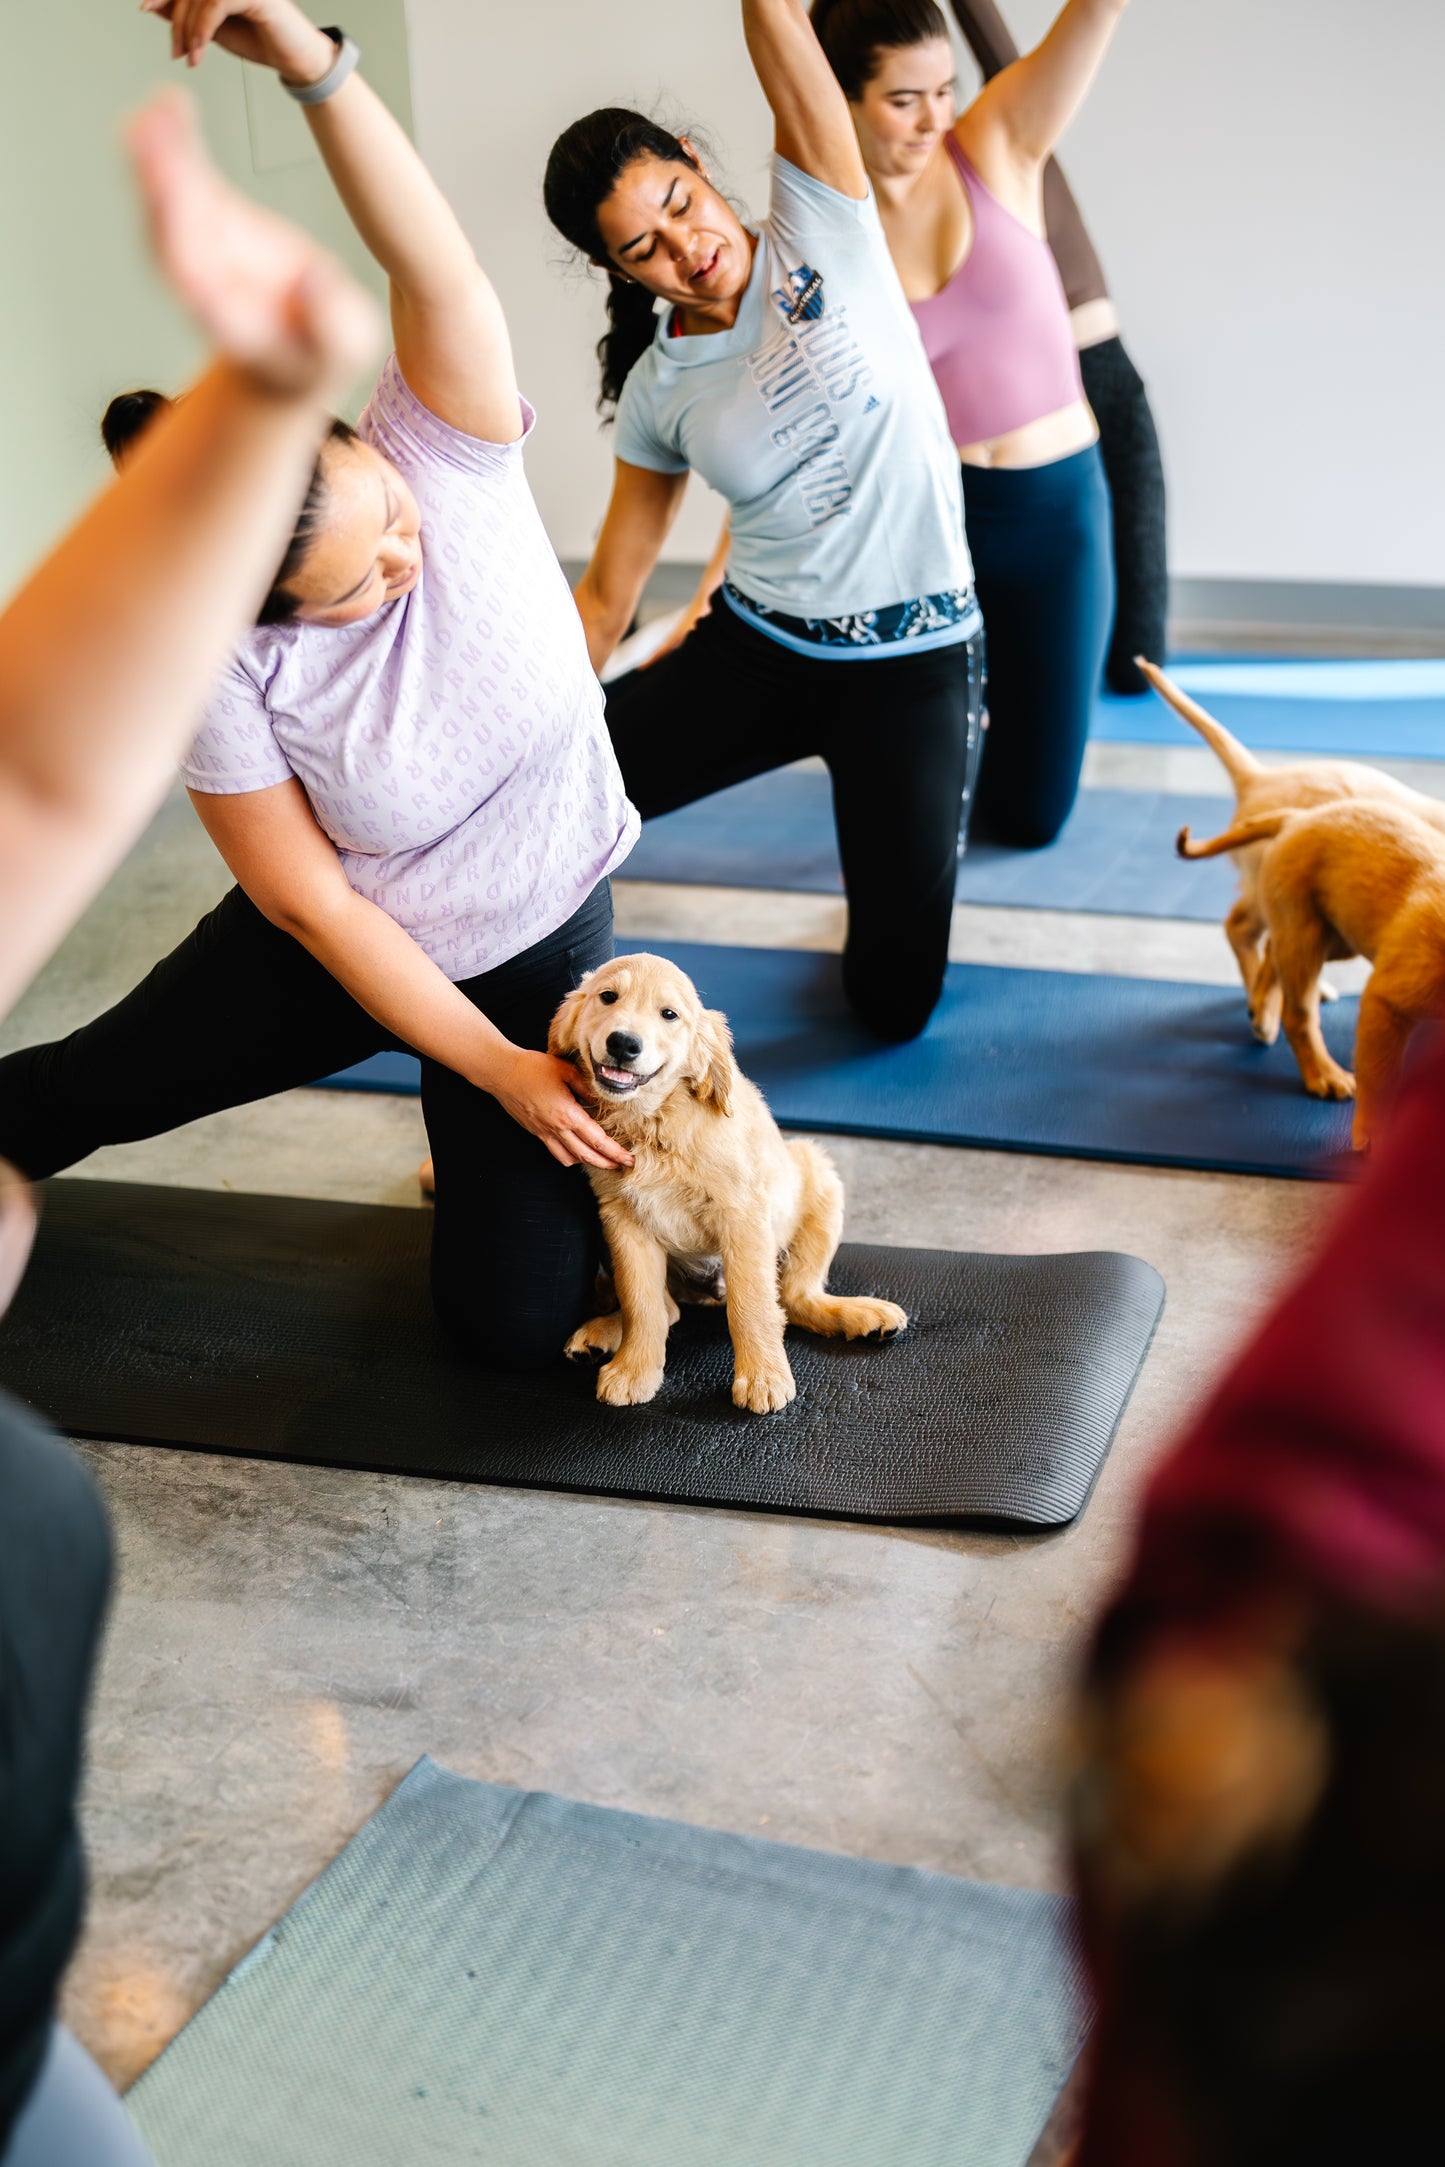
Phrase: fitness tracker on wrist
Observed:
(348, 52)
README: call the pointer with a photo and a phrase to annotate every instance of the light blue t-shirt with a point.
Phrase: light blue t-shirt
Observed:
(816, 416)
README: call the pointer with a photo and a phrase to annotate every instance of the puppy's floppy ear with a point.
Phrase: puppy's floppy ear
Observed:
(714, 1072)
(562, 1039)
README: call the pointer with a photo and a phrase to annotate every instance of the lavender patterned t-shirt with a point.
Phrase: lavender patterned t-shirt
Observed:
(452, 744)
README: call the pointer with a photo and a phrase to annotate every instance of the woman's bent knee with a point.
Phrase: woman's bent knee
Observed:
(502, 1340)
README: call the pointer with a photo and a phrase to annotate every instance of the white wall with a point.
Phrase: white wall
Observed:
(1265, 180)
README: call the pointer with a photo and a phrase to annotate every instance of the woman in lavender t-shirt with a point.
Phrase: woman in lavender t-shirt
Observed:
(407, 770)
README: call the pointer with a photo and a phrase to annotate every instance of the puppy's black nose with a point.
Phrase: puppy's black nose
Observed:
(624, 1045)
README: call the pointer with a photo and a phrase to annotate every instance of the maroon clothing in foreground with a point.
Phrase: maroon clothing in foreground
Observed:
(1316, 1472)
(1325, 1445)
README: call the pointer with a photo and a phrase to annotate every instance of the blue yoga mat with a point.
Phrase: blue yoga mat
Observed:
(1360, 710)
(1082, 1066)
(498, 1975)
(1116, 854)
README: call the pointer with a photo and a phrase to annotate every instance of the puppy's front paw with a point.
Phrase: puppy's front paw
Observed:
(595, 1341)
(765, 1388)
(1360, 1136)
(1333, 1082)
(628, 1387)
(1264, 1020)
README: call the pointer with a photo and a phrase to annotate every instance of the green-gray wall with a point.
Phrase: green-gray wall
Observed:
(85, 314)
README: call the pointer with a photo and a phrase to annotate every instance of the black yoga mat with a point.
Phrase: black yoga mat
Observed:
(283, 1328)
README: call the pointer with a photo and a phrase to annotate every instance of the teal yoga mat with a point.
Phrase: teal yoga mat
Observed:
(1352, 709)
(504, 1976)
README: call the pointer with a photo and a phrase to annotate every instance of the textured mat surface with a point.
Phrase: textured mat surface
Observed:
(487, 1974)
(1361, 710)
(1144, 1070)
(283, 1328)
(1115, 855)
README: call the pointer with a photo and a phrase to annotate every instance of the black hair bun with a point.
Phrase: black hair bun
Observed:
(127, 418)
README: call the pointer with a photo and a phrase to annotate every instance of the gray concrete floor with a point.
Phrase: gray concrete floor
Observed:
(286, 1640)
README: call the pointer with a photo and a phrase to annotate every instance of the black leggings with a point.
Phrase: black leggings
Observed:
(240, 1011)
(1129, 443)
(899, 734)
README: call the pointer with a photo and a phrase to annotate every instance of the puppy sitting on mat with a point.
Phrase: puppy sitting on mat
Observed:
(712, 1178)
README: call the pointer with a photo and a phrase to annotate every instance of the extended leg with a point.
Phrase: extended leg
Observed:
(237, 1012)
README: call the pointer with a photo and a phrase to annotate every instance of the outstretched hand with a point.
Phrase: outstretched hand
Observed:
(272, 301)
(272, 33)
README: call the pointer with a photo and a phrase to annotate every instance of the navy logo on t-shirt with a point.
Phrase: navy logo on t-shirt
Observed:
(801, 300)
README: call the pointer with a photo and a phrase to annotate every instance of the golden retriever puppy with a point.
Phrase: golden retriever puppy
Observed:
(1359, 877)
(713, 1186)
(1259, 791)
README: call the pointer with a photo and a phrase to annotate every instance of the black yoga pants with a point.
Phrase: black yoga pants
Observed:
(240, 1010)
(1041, 560)
(898, 733)
(1129, 444)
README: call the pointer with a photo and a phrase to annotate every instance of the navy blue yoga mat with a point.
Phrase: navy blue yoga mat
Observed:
(498, 1975)
(1116, 854)
(1362, 710)
(1083, 1066)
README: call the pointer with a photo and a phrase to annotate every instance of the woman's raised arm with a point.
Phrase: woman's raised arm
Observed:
(108, 651)
(1023, 111)
(813, 127)
(451, 335)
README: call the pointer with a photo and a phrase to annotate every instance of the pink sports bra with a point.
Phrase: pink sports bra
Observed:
(998, 334)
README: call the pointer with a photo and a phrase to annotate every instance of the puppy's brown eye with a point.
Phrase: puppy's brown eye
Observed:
(669, 1015)
(608, 997)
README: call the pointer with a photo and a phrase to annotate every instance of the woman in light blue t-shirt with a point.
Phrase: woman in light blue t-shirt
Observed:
(787, 370)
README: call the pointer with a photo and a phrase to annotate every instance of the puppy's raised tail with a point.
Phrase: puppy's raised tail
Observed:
(1239, 837)
(1237, 760)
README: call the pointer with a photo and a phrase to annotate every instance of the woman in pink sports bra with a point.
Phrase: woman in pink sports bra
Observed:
(961, 200)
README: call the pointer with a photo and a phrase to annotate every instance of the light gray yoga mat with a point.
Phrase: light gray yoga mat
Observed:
(498, 1975)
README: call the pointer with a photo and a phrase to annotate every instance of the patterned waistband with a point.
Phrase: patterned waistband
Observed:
(903, 628)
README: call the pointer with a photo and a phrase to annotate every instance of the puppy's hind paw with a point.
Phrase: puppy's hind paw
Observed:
(595, 1341)
(769, 1388)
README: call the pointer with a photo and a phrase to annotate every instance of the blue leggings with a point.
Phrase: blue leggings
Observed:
(73, 2118)
(1045, 579)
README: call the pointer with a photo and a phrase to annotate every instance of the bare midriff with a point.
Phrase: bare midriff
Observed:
(1037, 443)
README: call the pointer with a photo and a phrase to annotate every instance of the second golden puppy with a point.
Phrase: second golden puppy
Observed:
(712, 1178)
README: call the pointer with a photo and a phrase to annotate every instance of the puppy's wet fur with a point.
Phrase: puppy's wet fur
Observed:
(717, 1204)
(1335, 859)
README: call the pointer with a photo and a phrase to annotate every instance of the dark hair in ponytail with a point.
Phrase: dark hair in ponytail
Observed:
(130, 414)
(853, 33)
(587, 161)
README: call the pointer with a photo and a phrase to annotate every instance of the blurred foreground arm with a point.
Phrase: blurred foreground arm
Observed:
(109, 649)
